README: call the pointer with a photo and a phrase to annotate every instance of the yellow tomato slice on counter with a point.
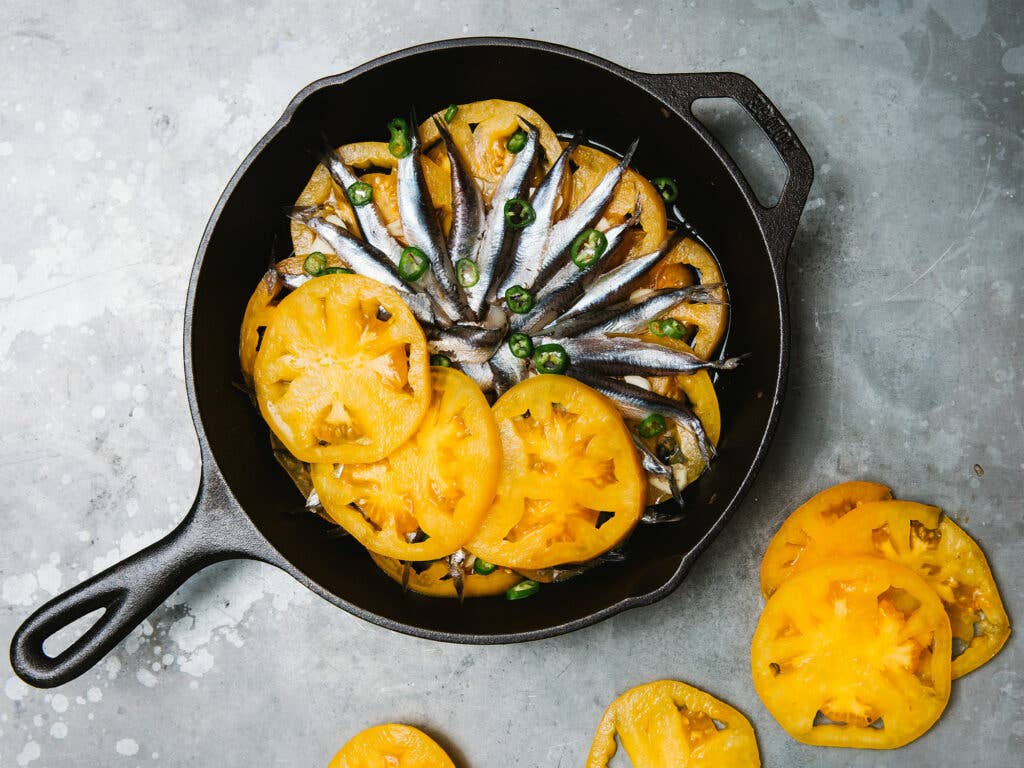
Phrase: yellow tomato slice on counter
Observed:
(433, 580)
(810, 521)
(924, 540)
(481, 130)
(571, 483)
(261, 306)
(391, 746)
(592, 165)
(342, 374)
(853, 653)
(426, 499)
(687, 263)
(668, 724)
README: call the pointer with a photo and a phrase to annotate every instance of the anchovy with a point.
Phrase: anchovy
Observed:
(638, 403)
(656, 466)
(422, 228)
(561, 573)
(632, 316)
(495, 246)
(457, 570)
(508, 369)
(374, 230)
(557, 250)
(655, 516)
(628, 356)
(566, 288)
(468, 217)
(616, 284)
(529, 249)
(481, 373)
(465, 342)
(364, 259)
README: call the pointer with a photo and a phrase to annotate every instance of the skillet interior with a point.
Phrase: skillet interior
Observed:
(569, 93)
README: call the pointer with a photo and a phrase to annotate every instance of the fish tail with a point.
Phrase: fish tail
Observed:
(302, 213)
(729, 363)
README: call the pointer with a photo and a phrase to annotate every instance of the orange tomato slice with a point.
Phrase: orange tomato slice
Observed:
(342, 374)
(391, 746)
(668, 724)
(440, 482)
(571, 483)
(853, 653)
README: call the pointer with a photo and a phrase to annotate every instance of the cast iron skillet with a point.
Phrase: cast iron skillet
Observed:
(240, 509)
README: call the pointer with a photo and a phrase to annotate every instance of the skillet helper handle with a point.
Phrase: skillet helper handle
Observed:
(779, 221)
(129, 591)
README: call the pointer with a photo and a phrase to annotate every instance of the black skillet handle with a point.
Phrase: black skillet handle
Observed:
(779, 221)
(214, 530)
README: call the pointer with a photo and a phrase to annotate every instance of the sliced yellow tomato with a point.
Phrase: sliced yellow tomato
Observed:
(434, 581)
(808, 521)
(261, 306)
(687, 263)
(426, 499)
(391, 746)
(481, 130)
(668, 724)
(921, 538)
(369, 160)
(571, 483)
(592, 165)
(853, 653)
(342, 374)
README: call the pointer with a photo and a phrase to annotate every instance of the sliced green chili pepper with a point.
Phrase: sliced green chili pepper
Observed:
(550, 358)
(484, 568)
(399, 145)
(673, 328)
(359, 193)
(521, 345)
(667, 187)
(655, 328)
(652, 426)
(468, 272)
(522, 589)
(519, 213)
(449, 114)
(588, 247)
(442, 361)
(516, 141)
(518, 300)
(412, 263)
(335, 271)
(314, 264)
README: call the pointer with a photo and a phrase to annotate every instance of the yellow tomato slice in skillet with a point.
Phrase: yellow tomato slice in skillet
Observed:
(426, 499)
(853, 653)
(921, 538)
(668, 724)
(391, 746)
(342, 374)
(431, 579)
(571, 483)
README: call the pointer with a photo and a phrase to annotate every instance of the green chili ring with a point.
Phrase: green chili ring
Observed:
(652, 426)
(399, 145)
(412, 264)
(335, 271)
(522, 589)
(359, 193)
(449, 114)
(467, 272)
(518, 300)
(520, 345)
(550, 358)
(667, 188)
(519, 214)
(588, 247)
(516, 141)
(441, 361)
(483, 568)
(314, 264)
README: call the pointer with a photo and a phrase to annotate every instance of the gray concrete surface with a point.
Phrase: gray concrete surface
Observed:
(120, 124)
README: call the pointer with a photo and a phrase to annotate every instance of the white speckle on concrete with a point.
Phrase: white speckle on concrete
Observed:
(37, 721)
(29, 753)
(59, 703)
(127, 747)
(20, 590)
(6, 149)
(94, 694)
(15, 689)
(59, 730)
(198, 663)
(49, 576)
(98, 411)
(1013, 60)
(146, 677)
(113, 667)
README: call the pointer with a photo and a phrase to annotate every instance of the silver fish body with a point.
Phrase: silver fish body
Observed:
(628, 356)
(423, 230)
(374, 230)
(468, 216)
(557, 250)
(495, 245)
(508, 369)
(652, 464)
(525, 260)
(616, 284)
(632, 316)
(465, 342)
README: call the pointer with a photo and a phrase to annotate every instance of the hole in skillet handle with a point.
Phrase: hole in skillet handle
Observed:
(778, 221)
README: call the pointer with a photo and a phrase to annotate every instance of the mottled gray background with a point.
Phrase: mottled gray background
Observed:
(119, 127)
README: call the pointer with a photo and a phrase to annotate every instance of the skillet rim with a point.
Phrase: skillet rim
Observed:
(635, 79)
